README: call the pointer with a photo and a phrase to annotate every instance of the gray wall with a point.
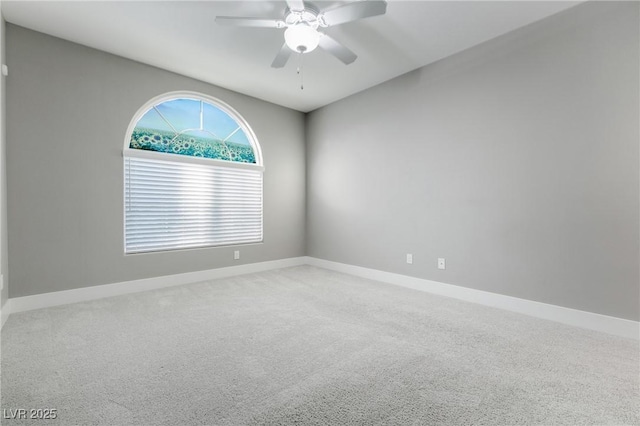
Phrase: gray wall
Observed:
(516, 160)
(4, 294)
(68, 111)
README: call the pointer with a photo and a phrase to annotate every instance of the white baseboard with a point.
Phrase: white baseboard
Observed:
(603, 323)
(589, 320)
(45, 300)
(4, 313)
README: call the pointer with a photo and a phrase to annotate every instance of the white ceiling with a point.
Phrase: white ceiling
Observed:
(181, 36)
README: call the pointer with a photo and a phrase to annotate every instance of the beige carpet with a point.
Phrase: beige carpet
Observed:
(309, 346)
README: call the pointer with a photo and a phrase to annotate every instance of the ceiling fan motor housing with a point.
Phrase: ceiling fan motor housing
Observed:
(302, 34)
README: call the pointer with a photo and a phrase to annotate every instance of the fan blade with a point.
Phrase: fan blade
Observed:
(337, 49)
(352, 11)
(282, 57)
(249, 22)
(295, 5)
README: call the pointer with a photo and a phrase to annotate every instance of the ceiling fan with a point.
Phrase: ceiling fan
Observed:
(303, 22)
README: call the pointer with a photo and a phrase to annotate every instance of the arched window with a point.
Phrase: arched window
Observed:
(192, 176)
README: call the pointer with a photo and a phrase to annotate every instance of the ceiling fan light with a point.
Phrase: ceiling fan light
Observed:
(301, 38)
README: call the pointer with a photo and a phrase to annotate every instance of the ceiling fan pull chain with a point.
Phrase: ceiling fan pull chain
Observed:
(300, 70)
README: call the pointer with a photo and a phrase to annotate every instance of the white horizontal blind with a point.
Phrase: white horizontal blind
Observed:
(175, 205)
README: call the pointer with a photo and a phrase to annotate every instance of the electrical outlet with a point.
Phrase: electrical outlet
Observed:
(441, 264)
(409, 258)
(1, 282)
(236, 255)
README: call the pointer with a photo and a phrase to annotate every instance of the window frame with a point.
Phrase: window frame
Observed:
(167, 156)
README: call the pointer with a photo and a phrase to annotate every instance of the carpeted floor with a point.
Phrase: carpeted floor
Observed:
(309, 346)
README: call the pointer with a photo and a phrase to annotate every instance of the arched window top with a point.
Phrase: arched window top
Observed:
(195, 125)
